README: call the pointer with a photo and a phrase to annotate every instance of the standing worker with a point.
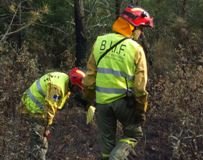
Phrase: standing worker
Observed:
(117, 72)
(40, 103)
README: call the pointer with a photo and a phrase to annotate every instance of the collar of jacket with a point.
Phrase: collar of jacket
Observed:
(123, 27)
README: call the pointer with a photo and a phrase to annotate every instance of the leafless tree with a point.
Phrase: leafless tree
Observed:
(81, 42)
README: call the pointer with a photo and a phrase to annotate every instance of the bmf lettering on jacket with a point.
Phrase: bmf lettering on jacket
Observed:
(117, 50)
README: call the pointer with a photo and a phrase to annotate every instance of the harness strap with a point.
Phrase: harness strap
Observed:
(110, 49)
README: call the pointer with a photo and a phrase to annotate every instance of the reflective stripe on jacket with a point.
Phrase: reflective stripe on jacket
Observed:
(34, 98)
(116, 70)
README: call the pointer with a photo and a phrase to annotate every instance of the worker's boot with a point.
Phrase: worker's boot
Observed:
(123, 151)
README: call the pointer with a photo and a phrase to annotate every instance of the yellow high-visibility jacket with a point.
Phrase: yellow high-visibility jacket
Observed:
(46, 95)
(124, 66)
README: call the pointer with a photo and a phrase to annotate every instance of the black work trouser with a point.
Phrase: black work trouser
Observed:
(107, 116)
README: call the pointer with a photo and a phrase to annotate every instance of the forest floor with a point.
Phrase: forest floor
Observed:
(173, 129)
(72, 138)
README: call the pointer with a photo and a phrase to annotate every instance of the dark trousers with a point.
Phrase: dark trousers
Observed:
(107, 116)
(38, 143)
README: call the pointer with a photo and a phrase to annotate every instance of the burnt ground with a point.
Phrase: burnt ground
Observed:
(72, 139)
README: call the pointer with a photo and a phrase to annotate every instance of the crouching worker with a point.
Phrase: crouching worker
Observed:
(40, 103)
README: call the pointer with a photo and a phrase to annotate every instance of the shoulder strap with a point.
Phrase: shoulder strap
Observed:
(110, 49)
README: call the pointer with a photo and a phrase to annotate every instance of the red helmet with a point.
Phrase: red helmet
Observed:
(76, 76)
(137, 17)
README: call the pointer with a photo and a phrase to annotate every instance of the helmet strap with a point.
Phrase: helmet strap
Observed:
(136, 33)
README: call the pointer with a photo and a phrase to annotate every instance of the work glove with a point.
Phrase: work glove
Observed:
(140, 112)
(90, 114)
(141, 107)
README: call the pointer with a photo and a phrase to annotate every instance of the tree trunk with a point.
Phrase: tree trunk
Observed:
(117, 6)
(183, 8)
(81, 41)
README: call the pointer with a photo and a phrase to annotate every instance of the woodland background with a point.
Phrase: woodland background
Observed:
(37, 36)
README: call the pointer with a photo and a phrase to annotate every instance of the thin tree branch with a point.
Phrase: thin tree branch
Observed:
(16, 31)
(43, 25)
(55, 28)
(9, 27)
